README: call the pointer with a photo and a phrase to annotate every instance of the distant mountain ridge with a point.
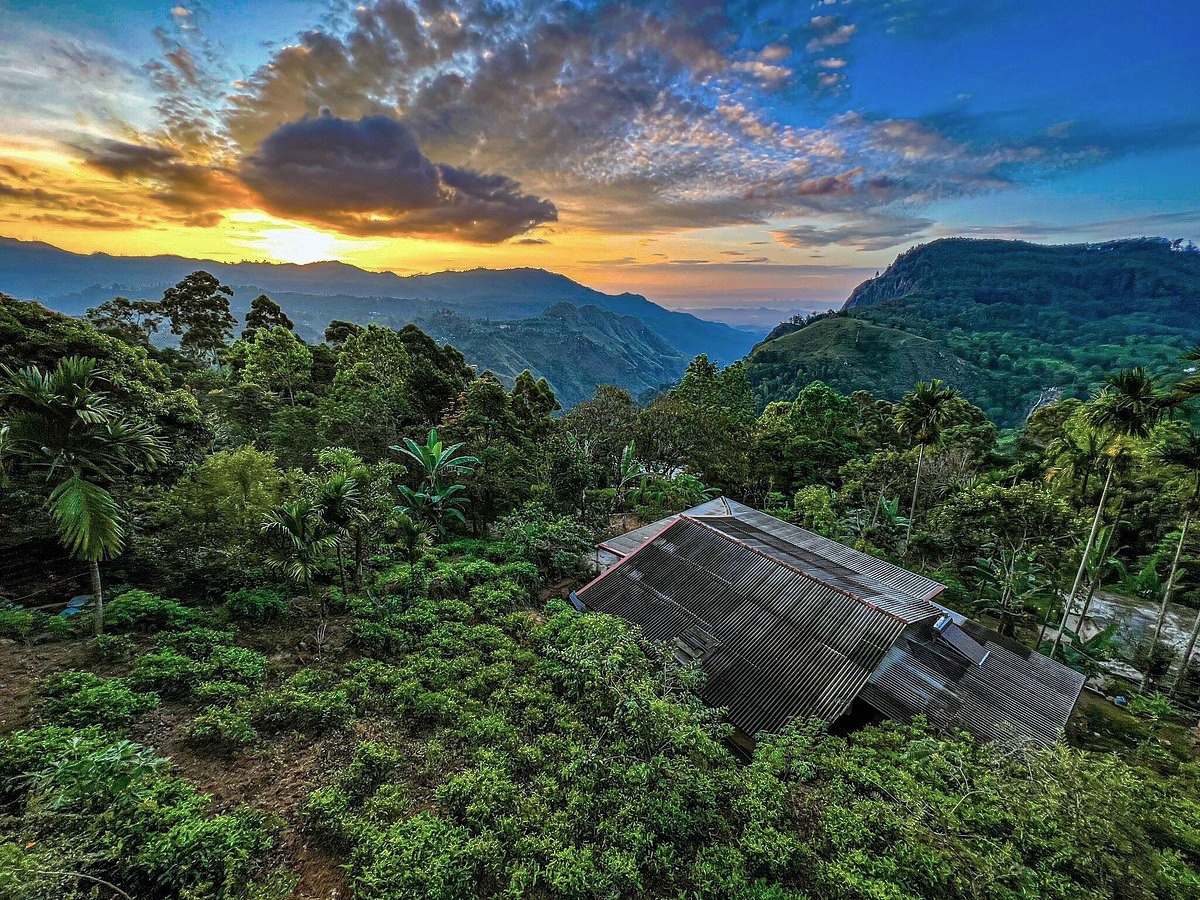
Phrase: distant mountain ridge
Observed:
(316, 293)
(1003, 320)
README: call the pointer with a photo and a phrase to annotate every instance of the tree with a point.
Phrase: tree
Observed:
(1180, 455)
(1126, 408)
(65, 429)
(483, 421)
(277, 360)
(207, 526)
(198, 308)
(434, 500)
(303, 541)
(265, 313)
(338, 332)
(133, 321)
(533, 402)
(369, 401)
(340, 505)
(920, 416)
(415, 540)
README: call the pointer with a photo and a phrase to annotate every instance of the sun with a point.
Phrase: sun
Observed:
(281, 241)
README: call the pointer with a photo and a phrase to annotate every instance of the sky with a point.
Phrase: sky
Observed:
(700, 153)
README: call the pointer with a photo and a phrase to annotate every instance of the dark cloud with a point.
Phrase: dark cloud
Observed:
(531, 241)
(193, 193)
(368, 176)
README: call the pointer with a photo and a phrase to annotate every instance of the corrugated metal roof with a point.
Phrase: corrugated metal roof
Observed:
(1016, 693)
(904, 592)
(776, 643)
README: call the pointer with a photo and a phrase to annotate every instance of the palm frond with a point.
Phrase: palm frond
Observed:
(88, 519)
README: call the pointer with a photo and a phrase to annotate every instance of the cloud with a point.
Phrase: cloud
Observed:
(478, 121)
(190, 192)
(368, 176)
(869, 233)
(1184, 223)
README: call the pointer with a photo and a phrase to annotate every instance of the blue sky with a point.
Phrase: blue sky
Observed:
(699, 152)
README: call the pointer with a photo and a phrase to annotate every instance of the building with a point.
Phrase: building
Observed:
(788, 625)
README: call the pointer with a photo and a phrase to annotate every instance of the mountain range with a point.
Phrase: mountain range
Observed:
(504, 320)
(1006, 322)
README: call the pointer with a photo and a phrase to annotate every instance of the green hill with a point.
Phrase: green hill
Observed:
(1004, 321)
(850, 354)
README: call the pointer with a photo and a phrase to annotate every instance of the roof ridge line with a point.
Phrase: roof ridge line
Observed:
(779, 562)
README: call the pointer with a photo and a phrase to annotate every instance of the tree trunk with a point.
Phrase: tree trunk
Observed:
(358, 558)
(1094, 584)
(1162, 610)
(1087, 548)
(97, 597)
(912, 507)
(1187, 655)
(341, 566)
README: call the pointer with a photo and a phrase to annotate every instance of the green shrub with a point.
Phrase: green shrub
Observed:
(16, 623)
(167, 672)
(114, 647)
(198, 643)
(257, 604)
(221, 693)
(143, 611)
(81, 801)
(237, 664)
(423, 856)
(61, 628)
(372, 765)
(290, 709)
(82, 699)
(328, 817)
(222, 727)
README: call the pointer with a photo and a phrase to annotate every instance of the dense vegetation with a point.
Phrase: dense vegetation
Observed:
(1003, 320)
(326, 649)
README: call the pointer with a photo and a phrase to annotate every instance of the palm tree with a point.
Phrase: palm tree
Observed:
(434, 501)
(1181, 456)
(340, 505)
(1076, 455)
(1127, 408)
(64, 428)
(304, 540)
(414, 540)
(920, 417)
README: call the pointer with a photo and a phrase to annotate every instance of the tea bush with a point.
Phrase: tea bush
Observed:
(222, 727)
(83, 802)
(81, 699)
(114, 648)
(143, 611)
(257, 605)
(16, 623)
(168, 673)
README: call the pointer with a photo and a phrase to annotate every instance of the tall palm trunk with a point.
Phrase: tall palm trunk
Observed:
(358, 558)
(1087, 549)
(341, 566)
(912, 507)
(1187, 655)
(97, 596)
(1094, 583)
(1170, 588)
